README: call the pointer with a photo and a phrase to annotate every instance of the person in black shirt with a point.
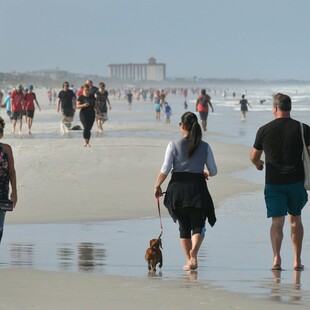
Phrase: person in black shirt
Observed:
(281, 141)
(92, 89)
(244, 107)
(86, 103)
(66, 101)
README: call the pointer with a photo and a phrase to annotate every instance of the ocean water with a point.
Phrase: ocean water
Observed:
(236, 254)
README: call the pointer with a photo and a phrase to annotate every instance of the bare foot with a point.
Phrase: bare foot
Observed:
(193, 261)
(276, 264)
(276, 267)
(299, 267)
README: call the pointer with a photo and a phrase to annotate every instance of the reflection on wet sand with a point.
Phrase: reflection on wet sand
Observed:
(65, 258)
(21, 254)
(89, 256)
(102, 248)
(289, 292)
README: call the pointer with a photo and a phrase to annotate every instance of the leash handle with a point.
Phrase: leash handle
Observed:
(160, 220)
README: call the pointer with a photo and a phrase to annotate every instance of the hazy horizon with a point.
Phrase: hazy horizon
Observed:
(217, 39)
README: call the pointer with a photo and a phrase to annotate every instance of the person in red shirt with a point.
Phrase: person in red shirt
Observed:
(30, 98)
(202, 106)
(17, 107)
(80, 91)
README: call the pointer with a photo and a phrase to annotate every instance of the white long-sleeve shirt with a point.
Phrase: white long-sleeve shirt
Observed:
(176, 158)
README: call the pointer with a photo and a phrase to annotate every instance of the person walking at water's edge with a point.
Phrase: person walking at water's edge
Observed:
(86, 103)
(102, 102)
(66, 103)
(202, 107)
(187, 197)
(30, 98)
(284, 192)
(244, 107)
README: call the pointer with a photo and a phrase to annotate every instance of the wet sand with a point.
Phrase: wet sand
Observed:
(61, 182)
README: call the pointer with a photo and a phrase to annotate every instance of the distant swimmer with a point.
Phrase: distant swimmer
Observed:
(244, 107)
(262, 101)
(185, 105)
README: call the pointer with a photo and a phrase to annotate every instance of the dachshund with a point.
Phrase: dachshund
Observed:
(153, 254)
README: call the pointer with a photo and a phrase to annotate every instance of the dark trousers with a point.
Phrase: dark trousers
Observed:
(87, 117)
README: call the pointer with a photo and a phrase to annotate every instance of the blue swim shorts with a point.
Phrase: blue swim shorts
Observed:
(285, 199)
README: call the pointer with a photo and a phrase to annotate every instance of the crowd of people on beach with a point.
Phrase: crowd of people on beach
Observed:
(19, 103)
(158, 97)
(190, 160)
(93, 103)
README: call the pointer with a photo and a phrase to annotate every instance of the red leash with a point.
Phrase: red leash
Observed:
(161, 223)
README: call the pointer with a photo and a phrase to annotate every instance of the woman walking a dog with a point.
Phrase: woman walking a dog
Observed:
(187, 197)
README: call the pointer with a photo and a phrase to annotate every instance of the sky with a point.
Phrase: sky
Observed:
(242, 39)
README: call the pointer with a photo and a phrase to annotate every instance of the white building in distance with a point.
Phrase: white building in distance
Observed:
(150, 71)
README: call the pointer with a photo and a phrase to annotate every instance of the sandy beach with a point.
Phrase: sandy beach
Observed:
(60, 181)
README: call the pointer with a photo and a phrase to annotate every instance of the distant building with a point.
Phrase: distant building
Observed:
(54, 74)
(150, 71)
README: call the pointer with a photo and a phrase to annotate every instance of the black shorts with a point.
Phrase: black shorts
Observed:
(191, 221)
(17, 115)
(203, 115)
(30, 113)
(68, 112)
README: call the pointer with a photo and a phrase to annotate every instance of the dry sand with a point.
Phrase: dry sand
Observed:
(61, 181)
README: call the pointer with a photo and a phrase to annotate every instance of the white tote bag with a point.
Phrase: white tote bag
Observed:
(306, 160)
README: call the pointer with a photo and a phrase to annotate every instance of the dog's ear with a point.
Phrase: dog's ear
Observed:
(151, 241)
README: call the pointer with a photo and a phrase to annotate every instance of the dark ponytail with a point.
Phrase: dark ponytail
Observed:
(190, 122)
